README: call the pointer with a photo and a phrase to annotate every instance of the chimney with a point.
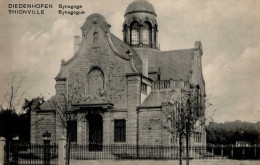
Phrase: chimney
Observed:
(77, 40)
(144, 58)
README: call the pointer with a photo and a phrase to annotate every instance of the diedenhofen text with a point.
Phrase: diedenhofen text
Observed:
(28, 8)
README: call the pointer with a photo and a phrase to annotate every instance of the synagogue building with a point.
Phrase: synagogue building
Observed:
(115, 91)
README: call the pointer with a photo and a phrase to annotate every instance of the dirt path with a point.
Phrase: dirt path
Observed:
(163, 162)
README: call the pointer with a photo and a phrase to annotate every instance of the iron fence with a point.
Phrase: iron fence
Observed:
(47, 154)
(31, 154)
(84, 152)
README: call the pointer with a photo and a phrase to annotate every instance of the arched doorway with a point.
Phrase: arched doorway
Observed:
(95, 132)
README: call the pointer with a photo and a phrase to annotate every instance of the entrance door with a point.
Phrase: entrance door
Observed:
(95, 132)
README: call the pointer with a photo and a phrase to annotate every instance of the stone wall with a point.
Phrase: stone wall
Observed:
(150, 127)
(101, 56)
(45, 121)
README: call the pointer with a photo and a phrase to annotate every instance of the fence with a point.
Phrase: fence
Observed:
(83, 152)
(52, 154)
(232, 152)
(17, 153)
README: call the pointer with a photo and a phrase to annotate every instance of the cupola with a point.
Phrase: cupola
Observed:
(140, 27)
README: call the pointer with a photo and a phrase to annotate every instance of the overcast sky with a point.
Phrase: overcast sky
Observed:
(228, 29)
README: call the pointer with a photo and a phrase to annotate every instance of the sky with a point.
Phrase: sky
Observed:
(229, 30)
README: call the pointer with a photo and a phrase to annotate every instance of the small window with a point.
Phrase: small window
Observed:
(72, 130)
(95, 38)
(144, 88)
(120, 131)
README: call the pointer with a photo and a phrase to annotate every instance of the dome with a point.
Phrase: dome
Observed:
(140, 6)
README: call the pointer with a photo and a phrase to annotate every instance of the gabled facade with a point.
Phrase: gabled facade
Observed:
(119, 86)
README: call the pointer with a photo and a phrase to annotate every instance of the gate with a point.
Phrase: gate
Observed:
(17, 153)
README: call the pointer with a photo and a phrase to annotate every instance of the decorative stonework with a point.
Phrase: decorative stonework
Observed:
(94, 21)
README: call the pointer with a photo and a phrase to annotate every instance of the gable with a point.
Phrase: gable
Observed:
(96, 34)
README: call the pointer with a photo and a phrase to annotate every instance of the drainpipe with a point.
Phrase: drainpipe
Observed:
(137, 111)
(137, 138)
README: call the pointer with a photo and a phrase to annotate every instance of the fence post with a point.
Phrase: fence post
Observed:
(243, 152)
(255, 151)
(222, 151)
(2, 150)
(232, 151)
(61, 150)
(15, 153)
(46, 153)
(191, 151)
(212, 150)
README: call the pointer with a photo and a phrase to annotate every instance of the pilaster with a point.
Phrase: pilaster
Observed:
(153, 41)
(141, 35)
(107, 128)
(134, 100)
(79, 131)
(33, 123)
(128, 35)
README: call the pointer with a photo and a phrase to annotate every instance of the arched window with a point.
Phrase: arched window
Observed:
(95, 37)
(146, 34)
(95, 81)
(135, 30)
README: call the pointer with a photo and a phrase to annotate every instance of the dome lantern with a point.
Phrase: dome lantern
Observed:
(140, 25)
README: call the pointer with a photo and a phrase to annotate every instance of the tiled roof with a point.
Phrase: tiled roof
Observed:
(48, 105)
(175, 64)
(122, 47)
(156, 98)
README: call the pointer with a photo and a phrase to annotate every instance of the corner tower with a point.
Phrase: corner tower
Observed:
(140, 27)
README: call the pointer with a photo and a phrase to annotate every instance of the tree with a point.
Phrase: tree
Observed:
(230, 132)
(64, 103)
(9, 123)
(13, 92)
(194, 112)
(184, 115)
(8, 126)
(173, 124)
(27, 106)
(64, 110)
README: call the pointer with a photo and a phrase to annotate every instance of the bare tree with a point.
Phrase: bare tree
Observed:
(65, 102)
(174, 124)
(194, 110)
(13, 91)
(64, 110)
(184, 116)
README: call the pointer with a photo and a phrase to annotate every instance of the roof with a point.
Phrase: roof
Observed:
(123, 48)
(48, 105)
(156, 98)
(140, 6)
(175, 64)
